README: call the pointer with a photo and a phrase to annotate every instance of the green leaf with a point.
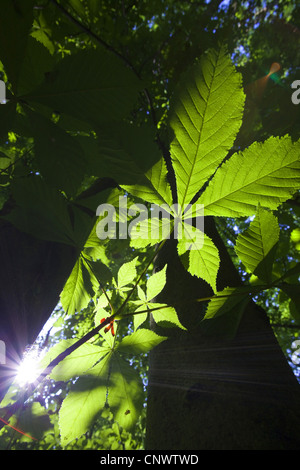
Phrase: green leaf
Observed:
(41, 210)
(125, 393)
(164, 315)
(223, 315)
(141, 294)
(32, 75)
(149, 231)
(125, 151)
(77, 291)
(141, 341)
(203, 255)
(127, 273)
(156, 283)
(42, 31)
(76, 363)
(158, 190)
(255, 247)
(91, 85)
(265, 173)
(226, 301)
(95, 248)
(140, 318)
(84, 402)
(206, 116)
(34, 421)
(292, 275)
(59, 158)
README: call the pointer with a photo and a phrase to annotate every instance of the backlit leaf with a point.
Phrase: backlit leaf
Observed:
(156, 283)
(77, 291)
(203, 255)
(127, 273)
(84, 402)
(141, 341)
(255, 246)
(164, 315)
(265, 173)
(206, 116)
(225, 301)
(125, 393)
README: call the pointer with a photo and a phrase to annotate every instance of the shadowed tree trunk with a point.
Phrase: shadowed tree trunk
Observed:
(208, 391)
(32, 275)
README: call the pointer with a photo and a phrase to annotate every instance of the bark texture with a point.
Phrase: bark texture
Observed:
(208, 391)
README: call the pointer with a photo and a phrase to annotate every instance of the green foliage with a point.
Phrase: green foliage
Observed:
(92, 86)
(251, 177)
(206, 116)
(256, 246)
(79, 117)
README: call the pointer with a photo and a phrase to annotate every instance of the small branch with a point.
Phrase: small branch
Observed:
(16, 161)
(12, 409)
(100, 283)
(139, 278)
(91, 33)
(108, 47)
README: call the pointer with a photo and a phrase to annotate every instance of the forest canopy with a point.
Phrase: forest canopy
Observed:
(126, 126)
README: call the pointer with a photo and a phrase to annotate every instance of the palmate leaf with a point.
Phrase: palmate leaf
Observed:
(92, 85)
(256, 246)
(265, 173)
(206, 116)
(161, 313)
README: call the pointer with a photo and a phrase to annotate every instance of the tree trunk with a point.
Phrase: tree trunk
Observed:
(208, 391)
(32, 275)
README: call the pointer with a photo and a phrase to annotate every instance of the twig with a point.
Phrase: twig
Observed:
(16, 161)
(12, 409)
(91, 33)
(108, 47)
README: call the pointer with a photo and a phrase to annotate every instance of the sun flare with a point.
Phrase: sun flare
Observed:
(29, 369)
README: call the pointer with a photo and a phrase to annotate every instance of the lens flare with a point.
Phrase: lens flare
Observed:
(29, 369)
(274, 68)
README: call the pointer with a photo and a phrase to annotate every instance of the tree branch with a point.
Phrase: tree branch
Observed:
(108, 47)
(12, 409)
(92, 34)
